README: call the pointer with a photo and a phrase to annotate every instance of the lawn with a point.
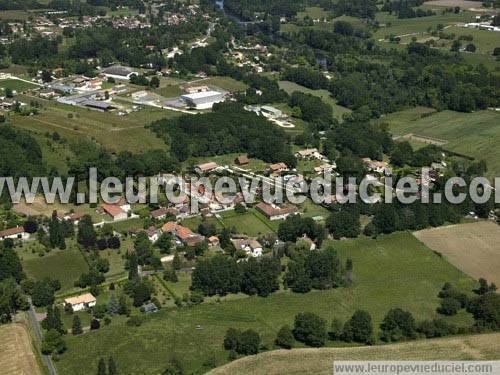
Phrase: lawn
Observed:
(310, 209)
(474, 134)
(391, 271)
(63, 265)
(247, 223)
(338, 110)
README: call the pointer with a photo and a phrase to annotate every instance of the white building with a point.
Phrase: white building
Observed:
(81, 302)
(203, 100)
(17, 233)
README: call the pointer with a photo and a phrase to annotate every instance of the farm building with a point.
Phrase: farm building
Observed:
(17, 233)
(241, 160)
(205, 168)
(203, 100)
(118, 72)
(81, 302)
(276, 213)
(115, 212)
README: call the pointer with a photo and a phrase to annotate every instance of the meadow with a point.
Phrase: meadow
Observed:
(319, 361)
(391, 271)
(63, 265)
(473, 134)
(117, 133)
(16, 85)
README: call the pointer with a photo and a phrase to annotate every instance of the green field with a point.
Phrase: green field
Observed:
(63, 265)
(338, 110)
(248, 223)
(110, 130)
(16, 85)
(392, 271)
(474, 134)
(225, 83)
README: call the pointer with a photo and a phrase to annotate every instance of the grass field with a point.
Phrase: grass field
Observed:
(63, 265)
(16, 351)
(391, 271)
(338, 110)
(474, 134)
(110, 130)
(225, 83)
(16, 85)
(247, 223)
(472, 248)
(320, 361)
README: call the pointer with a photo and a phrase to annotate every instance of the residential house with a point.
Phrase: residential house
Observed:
(162, 213)
(308, 153)
(17, 233)
(182, 234)
(213, 241)
(153, 234)
(278, 168)
(375, 165)
(273, 212)
(251, 246)
(81, 302)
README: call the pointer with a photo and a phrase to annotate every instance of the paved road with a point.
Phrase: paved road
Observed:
(38, 333)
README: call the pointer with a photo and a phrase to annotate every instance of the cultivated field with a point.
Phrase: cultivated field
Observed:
(472, 248)
(320, 361)
(474, 134)
(391, 271)
(16, 351)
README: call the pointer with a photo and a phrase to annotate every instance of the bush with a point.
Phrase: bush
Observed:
(449, 306)
(284, 338)
(134, 321)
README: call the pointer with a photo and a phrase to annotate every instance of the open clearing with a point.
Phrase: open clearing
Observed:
(473, 134)
(63, 265)
(320, 361)
(455, 3)
(16, 352)
(473, 248)
(391, 271)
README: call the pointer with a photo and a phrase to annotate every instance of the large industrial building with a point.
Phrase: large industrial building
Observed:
(204, 99)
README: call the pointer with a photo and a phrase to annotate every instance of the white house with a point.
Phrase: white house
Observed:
(250, 246)
(17, 233)
(81, 302)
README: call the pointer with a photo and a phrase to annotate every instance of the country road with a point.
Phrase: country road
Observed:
(38, 333)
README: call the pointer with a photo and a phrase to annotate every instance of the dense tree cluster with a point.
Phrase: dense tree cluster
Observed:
(246, 342)
(315, 269)
(221, 275)
(229, 129)
(20, 154)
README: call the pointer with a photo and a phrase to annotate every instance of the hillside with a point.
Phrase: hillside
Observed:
(319, 361)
